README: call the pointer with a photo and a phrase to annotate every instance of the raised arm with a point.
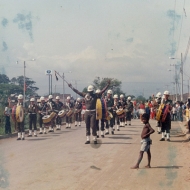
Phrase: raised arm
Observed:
(76, 91)
(105, 88)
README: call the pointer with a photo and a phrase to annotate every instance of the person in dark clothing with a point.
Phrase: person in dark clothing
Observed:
(7, 114)
(90, 99)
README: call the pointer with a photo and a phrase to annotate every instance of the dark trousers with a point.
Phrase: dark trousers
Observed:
(68, 119)
(78, 117)
(20, 126)
(174, 117)
(58, 120)
(32, 121)
(128, 116)
(7, 125)
(166, 126)
(90, 120)
(102, 124)
(40, 120)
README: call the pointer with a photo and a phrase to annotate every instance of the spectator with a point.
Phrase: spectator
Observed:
(7, 114)
(174, 113)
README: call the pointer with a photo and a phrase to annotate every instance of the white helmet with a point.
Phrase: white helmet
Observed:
(90, 88)
(166, 93)
(68, 97)
(42, 98)
(98, 91)
(32, 100)
(129, 98)
(20, 96)
(121, 96)
(109, 92)
(115, 96)
(50, 97)
(158, 95)
(78, 99)
(57, 98)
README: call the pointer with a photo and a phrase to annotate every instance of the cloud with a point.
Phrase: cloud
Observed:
(5, 47)
(24, 23)
(4, 22)
(129, 40)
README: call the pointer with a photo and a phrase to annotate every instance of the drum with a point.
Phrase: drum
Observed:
(109, 115)
(69, 113)
(119, 111)
(19, 114)
(62, 114)
(46, 120)
(53, 115)
(13, 113)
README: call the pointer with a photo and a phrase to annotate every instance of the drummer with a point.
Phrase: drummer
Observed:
(20, 125)
(69, 108)
(123, 104)
(32, 111)
(42, 106)
(51, 108)
(59, 107)
(78, 109)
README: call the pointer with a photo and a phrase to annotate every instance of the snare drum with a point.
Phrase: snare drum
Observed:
(62, 114)
(53, 115)
(19, 114)
(119, 112)
(109, 115)
(69, 113)
(46, 120)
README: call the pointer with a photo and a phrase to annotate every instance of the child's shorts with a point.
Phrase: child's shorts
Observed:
(145, 144)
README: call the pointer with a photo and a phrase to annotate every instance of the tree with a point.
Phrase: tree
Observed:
(100, 83)
(30, 88)
(4, 79)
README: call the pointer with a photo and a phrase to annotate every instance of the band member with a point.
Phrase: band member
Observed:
(122, 105)
(116, 108)
(156, 104)
(90, 115)
(51, 108)
(110, 103)
(166, 117)
(32, 111)
(78, 109)
(20, 125)
(42, 106)
(69, 107)
(129, 110)
(102, 120)
(59, 107)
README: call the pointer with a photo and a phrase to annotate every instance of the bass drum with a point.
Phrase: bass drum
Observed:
(46, 120)
(69, 113)
(13, 113)
(53, 115)
(19, 114)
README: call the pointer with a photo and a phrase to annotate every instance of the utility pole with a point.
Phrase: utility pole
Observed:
(24, 89)
(63, 89)
(181, 77)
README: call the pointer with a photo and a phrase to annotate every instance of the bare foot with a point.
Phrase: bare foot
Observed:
(135, 167)
(147, 166)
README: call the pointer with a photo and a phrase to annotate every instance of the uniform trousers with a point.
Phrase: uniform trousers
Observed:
(90, 120)
(32, 121)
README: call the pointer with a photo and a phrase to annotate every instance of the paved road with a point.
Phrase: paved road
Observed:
(61, 161)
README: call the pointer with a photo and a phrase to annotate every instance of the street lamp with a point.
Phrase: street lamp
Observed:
(24, 87)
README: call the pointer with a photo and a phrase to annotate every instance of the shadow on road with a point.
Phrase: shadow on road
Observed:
(181, 141)
(120, 137)
(115, 143)
(37, 139)
(168, 167)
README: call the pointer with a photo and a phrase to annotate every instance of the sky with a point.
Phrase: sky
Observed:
(127, 40)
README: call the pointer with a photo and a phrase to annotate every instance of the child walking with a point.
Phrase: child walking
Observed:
(146, 141)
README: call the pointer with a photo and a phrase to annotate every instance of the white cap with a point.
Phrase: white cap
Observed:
(98, 91)
(166, 93)
(68, 97)
(129, 98)
(50, 97)
(109, 92)
(20, 96)
(78, 99)
(121, 96)
(90, 88)
(42, 98)
(158, 95)
(32, 100)
(57, 98)
(115, 96)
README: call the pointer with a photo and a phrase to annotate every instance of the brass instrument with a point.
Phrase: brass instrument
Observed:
(159, 112)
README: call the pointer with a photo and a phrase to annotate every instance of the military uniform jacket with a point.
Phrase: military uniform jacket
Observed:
(117, 105)
(129, 106)
(69, 105)
(58, 106)
(51, 106)
(110, 103)
(32, 109)
(167, 102)
(42, 108)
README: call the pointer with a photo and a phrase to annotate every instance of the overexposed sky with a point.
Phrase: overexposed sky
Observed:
(123, 39)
